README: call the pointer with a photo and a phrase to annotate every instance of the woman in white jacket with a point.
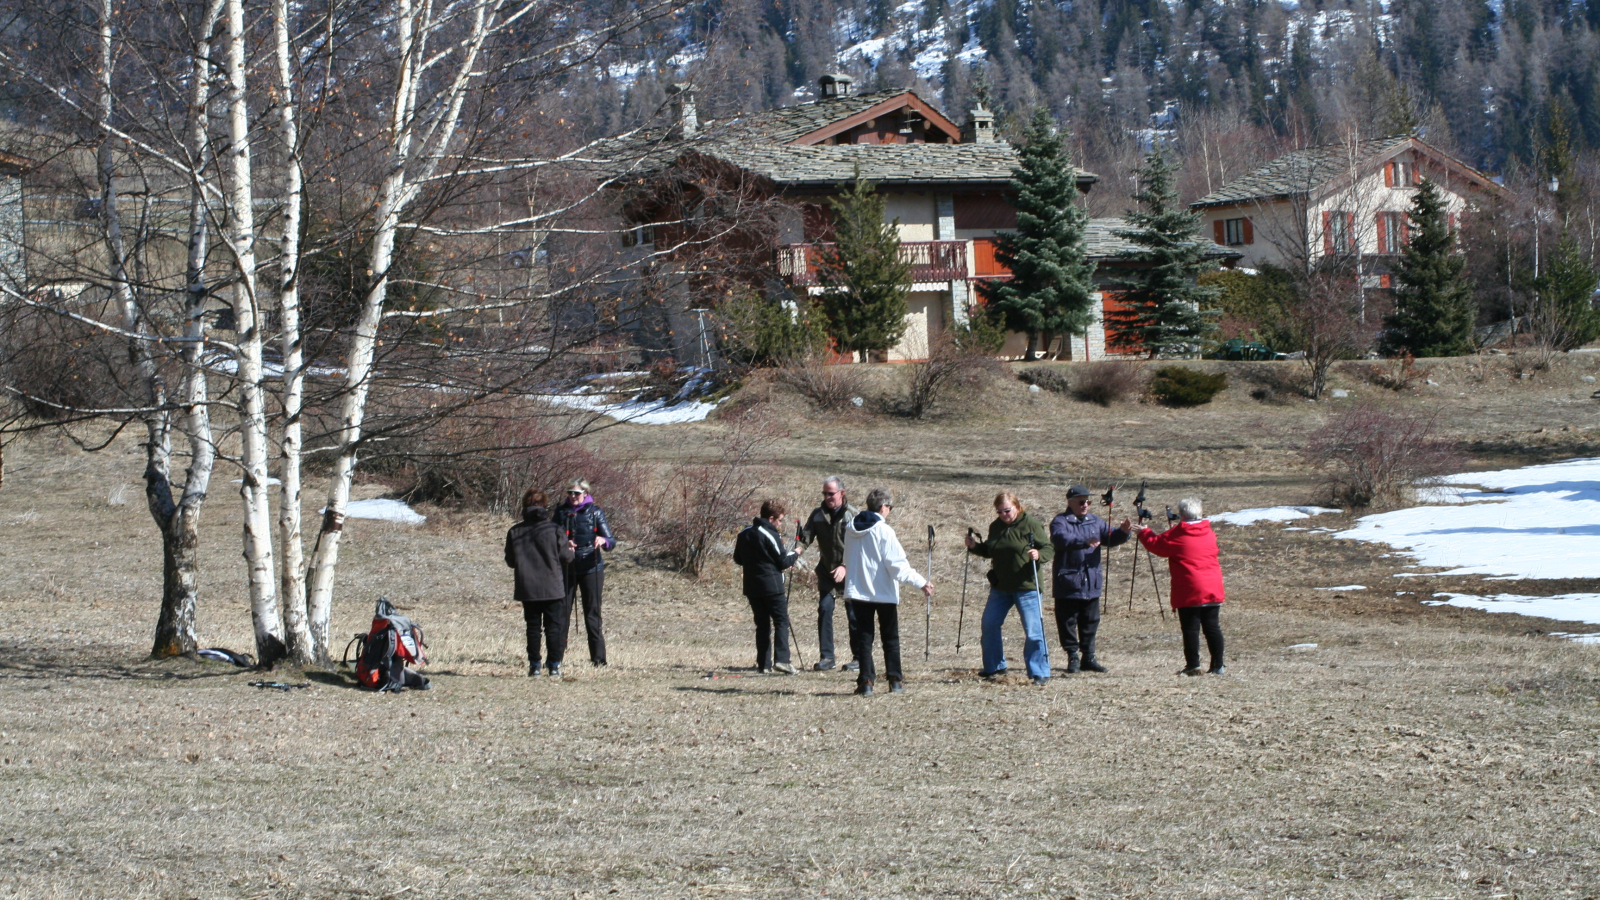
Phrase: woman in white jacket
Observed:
(875, 566)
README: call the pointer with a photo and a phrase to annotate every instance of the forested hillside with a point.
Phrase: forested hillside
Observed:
(1228, 80)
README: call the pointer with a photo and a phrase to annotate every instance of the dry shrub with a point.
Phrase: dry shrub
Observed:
(693, 505)
(831, 386)
(1107, 381)
(1373, 456)
(949, 365)
(59, 368)
(1397, 374)
(1046, 378)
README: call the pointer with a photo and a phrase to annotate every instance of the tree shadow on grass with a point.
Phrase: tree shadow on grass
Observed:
(32, 662)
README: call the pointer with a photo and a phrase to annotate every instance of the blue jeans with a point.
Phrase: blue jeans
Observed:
(994, 616)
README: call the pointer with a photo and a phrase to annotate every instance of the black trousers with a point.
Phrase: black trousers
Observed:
(589, 584)
(549, 617)
(1077, 622)
(888, 615)
(829, 591)
(1195, 619)
(772, 624)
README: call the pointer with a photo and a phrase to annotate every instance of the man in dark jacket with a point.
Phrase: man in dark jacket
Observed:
(1078, 536)
(585, 525)
(759, 550)
(826, 527)
(538, 552)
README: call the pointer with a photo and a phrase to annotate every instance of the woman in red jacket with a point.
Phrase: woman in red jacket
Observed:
(1190, 549)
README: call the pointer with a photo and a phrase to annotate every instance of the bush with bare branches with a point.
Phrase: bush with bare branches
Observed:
(831, 386)
(1107, 381)
(1374, 456)
(950, 364)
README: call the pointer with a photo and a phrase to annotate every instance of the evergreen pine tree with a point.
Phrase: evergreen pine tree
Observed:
(1052, 277)
(867, 281)
(1164, 309)
(1566, 315)
(1433, 308)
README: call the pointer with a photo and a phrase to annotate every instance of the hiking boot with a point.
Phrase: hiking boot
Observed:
(897, 687)
(864, 689)
(851, 666)
(555, 670)
(785, 668)
(1192, 672)
(766, 671)
(996, 675)
(1073, 663)
(1090, 664)
(824, 665)
(1217, 670)
(534, 671)
(426, 685)
(1039, 680)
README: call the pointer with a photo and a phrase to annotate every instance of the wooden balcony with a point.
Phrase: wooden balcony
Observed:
(929, 260)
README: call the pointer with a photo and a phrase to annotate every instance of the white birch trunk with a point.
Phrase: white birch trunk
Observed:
(247, 315)
(303, 648)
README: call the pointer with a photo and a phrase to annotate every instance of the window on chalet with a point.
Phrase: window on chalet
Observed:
(1400, 173)
(1237, 232)
(639, 236)
(1339, 232)
(1393, 232)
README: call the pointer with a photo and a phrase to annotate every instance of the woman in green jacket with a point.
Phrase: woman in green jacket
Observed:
(1018, 546)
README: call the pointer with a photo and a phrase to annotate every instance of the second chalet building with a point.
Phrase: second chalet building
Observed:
(946, 184)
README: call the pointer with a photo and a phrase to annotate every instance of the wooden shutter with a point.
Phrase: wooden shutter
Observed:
(1405, 230)
(1219, 230)
(1383, 232)
(1327, 232)
(1249, 231)
(1388, 174)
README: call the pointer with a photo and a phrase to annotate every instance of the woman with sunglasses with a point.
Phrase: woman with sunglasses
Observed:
(585, 525)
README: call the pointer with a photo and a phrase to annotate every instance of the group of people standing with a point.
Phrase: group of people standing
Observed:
(558, 555)
(862, 562)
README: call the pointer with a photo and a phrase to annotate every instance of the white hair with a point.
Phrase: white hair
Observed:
(834, 480)
(1189, 509)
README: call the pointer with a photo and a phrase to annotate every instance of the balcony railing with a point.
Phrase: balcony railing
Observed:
(929, 260)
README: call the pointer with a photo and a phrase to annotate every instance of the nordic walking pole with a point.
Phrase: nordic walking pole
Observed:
(1109, 498)
(787, 588)
(927, 616)
(1143, 514)
(1043, 640)
(966, 566)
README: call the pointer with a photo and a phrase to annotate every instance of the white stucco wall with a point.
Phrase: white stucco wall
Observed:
(12, 261)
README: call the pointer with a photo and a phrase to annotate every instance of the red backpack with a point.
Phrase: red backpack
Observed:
(383, 652)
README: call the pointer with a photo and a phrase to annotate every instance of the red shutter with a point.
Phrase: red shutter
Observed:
(1383, 232)
(1388, 174)
(1405, 230)
(1450, 221)
(1327, 232)
(1219, 229)
(1249, 231)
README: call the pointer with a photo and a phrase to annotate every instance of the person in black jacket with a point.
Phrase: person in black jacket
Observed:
(759, 550)
(586, 528)
(539, 553)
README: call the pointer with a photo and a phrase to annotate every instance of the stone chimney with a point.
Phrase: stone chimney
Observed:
(683, 111)
(980, 126)
(833, 86)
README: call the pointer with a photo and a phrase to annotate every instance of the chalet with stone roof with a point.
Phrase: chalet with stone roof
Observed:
(948, 186)
(1346, 201)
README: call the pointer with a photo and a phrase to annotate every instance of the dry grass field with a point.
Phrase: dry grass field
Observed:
(1416, 752)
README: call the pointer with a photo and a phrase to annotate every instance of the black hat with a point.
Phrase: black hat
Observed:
(1077, 490)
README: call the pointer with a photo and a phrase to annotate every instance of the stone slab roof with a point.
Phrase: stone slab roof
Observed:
(1300, 172)
(1102, 242)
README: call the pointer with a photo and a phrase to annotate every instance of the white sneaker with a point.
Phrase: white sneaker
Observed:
(785, 668)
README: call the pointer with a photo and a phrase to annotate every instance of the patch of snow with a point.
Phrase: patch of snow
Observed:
(1591, 637)
(1302, 647)
(1583, 608)
(1270, 514)
(1344, 587)
(270, 481)
(625, 408)
(382, 509)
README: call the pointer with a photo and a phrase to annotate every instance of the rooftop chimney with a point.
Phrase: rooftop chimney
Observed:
(980, 126)
(833, 86)
(683, 111)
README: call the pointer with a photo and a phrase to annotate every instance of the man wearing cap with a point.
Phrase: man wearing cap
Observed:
(1078, 536)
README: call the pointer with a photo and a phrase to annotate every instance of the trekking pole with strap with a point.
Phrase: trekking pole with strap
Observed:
(1109, 498)
(966, 566)
(787, 588)
(1143, 514)
(927, 616)
(1044, 641)
(572, 586)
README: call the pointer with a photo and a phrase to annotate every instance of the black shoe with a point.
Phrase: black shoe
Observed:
(1090, 664)
(825, 665)
(598, 664)
(1072, 663)
(1192, 673)
(864, 690)
(897, 687)
(555, 670)
(992, 676)
(1041, 682)
(851, 666)
(534, 671)
(1217, 670)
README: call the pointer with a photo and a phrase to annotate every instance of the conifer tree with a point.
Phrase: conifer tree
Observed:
(1566, 317)
(1165, 311)
(867, 281)
(1052, 277)
(1433, 307)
